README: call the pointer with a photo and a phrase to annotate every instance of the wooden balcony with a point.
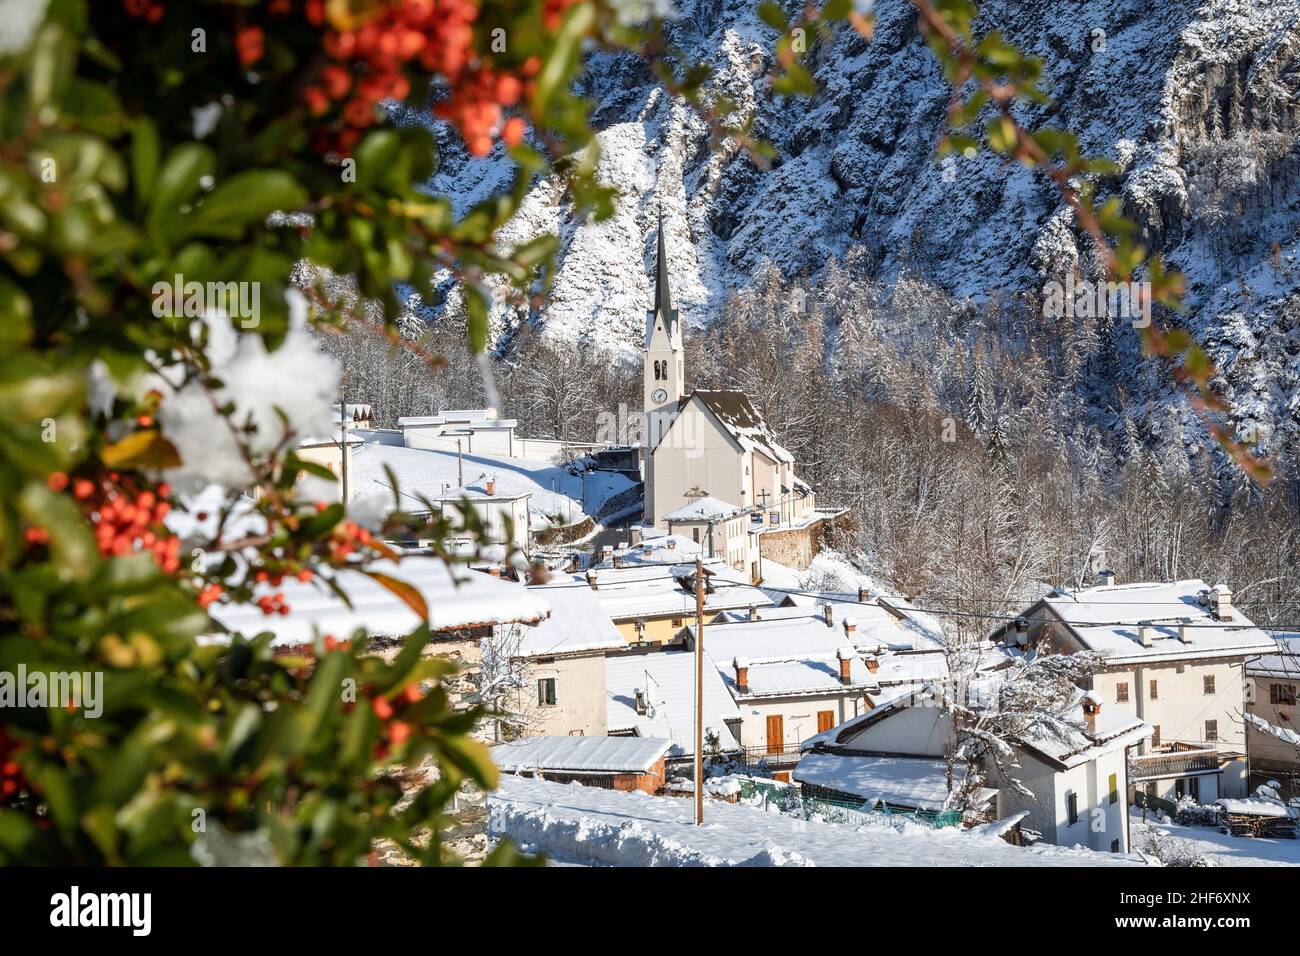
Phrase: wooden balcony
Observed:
(1176, 763)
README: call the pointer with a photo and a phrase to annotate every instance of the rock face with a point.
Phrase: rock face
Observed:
(1196, 101)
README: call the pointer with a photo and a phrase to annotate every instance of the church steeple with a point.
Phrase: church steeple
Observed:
(664, 374)
(663, 304)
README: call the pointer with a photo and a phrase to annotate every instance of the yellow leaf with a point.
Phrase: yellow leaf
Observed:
(411, 597)
(142, 449)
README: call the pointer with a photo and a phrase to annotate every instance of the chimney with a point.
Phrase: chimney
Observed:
(873, 664)
(850, 627)
(1091, 708)
(845, 656)
(1184, 634)
(1145, 633)
(742, 674)
(1022, 630)
(1106, 579)
(753, 613)
(640, 701)
(618, 560)
(491, 487)
(672, 544)
(828, 615)
(494, 571)
(591, 579)
(1221, 602)
(864, 595)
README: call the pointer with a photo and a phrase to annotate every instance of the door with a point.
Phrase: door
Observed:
(775, 734)
(825, 720)
(1194, 788)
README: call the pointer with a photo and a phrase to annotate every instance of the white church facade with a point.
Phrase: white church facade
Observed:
(709, 457)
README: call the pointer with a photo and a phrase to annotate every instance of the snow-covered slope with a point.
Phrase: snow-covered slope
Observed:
(1195, 100)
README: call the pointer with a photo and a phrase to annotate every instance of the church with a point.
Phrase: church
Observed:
(713, 468)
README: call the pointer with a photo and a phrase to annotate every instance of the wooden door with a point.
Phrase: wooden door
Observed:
(775, 734)
(825, 720)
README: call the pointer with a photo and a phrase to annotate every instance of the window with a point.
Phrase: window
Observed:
(1211, 731)
(1112, 785)
(1121, 692)
(1155, 694)
(1208, 681)
(546, 692)
(1072, 808)
(1114, 846)
(677, 622)
(1281, 694)
(1155, 735)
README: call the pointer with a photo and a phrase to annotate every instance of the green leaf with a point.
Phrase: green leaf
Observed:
(145, 153)
(243, 199)
(177, 183)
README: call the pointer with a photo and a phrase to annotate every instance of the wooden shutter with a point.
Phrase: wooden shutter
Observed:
(775, 734)
(825, 720)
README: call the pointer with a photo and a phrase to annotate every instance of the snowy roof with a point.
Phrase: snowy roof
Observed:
(577, 624)
(432, 473)
(742, 421)
(1284, 663)
(594, 826)
(1255, 806)
(909, 668)
(784, 658)
(902, 781)
(668, 680)
(456, 597)
(887, 622)
(702, 509)
(580, 754)
(650, 591)
(1105, 620)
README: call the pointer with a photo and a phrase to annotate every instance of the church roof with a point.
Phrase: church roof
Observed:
(701, 509)
(663, 301)
(741, 419)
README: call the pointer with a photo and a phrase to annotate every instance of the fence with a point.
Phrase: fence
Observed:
(794, 799)
(1150, 802)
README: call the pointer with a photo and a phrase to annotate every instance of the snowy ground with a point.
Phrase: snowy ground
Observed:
(1221, 849)
(575, 824)
(432, 474)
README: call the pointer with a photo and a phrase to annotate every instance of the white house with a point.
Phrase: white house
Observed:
(505, 518)
(895, 755)
(790, 679)
(471, 431)
(1176, 655)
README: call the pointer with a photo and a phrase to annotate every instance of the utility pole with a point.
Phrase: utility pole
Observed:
(343, 440)
(699, 692)
(460, 465)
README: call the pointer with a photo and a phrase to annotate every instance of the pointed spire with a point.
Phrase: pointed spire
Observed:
(663, 304)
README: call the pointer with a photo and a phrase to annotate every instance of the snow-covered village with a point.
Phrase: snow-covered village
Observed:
(575, 434)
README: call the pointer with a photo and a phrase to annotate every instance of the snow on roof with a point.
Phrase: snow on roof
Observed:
(878, 622)
(1255, 806)
(580, 754)
(1116, 728)
(668, 680)
(741, 419)
(799, 656)
(702, 509)
(589, 825)
(654, 591)
(577, 624)
(910, 782)
(456, 596)
(1106, 620)
(910, 668)
(432, 473)
(1284, 662)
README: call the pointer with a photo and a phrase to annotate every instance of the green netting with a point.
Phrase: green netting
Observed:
(842, 811)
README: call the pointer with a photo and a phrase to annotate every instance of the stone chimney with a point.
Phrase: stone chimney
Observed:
(845, 657)
(864, 595)
(742, 674)
(491, 487)
(1184, 634)
(828, 614)
(1091, 709)
(1145, 632)
(850, 627)
(1221, 602)
(1106, 579)
(591, 578)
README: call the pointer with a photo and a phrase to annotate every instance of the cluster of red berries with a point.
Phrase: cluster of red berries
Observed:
(127, 521)
(394, 731)
(436, 35)
(151, 11)
(273, 604)
(347, 538)
(11, 778)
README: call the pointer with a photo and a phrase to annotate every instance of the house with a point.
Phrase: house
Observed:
(1078, 781)
(652, 604)
(1173, 653)
(653, 695)
(1272, 719)
(613, 763)
(552, 673)
(790, 679)
(715, 445)
(471, 431)
(503, 518)
(721, 530)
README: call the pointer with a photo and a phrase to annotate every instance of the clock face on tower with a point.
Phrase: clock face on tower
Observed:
(659, 396)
